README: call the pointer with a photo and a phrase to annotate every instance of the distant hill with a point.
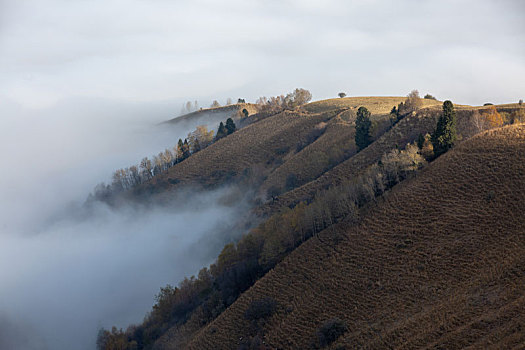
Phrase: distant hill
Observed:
(210, 116)
(440, 263)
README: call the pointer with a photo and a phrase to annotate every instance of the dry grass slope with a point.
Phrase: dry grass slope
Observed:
(375, 104)
(439, 263)
(257, 145)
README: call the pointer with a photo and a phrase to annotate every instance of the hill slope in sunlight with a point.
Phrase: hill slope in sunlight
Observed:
(439, 263)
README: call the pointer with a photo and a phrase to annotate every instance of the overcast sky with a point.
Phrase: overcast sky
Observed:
(165, 50)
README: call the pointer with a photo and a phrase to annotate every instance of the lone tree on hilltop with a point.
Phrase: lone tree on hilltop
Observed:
(221, 132)
(444, 136)
(362, 128)
(230, 126)
(341, 94)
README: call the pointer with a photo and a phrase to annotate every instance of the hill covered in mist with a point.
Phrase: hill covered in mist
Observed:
(344, 245)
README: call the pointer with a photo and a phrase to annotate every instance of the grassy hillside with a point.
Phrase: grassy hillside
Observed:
(308, 155)
(407, 130)
(277, 146)
(211, 116)
(375, 104)
(439, 263)
(255, 149)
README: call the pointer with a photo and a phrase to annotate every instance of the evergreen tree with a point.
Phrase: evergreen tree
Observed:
(245, 113)
(420, 141)
(185, 149)
(230, 126)
(180, 150)
(362, 128)
(444, 136)
(221, 132)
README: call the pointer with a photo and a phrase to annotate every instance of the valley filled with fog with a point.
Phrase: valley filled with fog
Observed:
(66, 271)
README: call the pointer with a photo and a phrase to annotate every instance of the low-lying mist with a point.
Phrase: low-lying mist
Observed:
(64, 275)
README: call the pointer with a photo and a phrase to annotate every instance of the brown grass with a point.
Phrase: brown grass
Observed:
(257, 145)
(440, 263)
(375, 104)
(406, 131)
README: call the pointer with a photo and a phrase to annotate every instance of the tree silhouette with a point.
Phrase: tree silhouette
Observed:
(230, 126)
(221, 132)
(362, 128)
(444, 136)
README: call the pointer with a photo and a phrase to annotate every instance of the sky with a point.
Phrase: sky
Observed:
(163, 50)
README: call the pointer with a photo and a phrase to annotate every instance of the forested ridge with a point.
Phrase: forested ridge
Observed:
(288, 221)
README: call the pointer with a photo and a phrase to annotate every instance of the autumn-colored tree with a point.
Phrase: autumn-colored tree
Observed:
(412, 103)
(146, 168)
(215, 104)
(493, 118)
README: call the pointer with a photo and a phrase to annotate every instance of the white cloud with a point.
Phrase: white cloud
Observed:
(157, 50)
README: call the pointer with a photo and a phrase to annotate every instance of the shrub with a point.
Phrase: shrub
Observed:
(429, 97)
(341, 94)
(488, 104)
(517, 116)
(420, 141)
(520, 102)
(260, 308)
(273, 192)
(330, 331)
(291, 181)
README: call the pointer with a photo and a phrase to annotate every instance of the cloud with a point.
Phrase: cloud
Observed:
(66, 272)
(157, 50)
(71, 277)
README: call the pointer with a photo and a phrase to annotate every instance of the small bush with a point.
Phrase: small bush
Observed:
(330, 331)
(291, 182)
(429, 97)
(520, 102)
(260, 308)
(488, 104)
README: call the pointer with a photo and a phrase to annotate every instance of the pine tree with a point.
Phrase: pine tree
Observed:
(180, 150)
(185, 149)
(221, 132)
(362, 128)
(444, 136)
(230, 126)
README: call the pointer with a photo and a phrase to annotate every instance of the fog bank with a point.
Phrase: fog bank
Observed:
(65, 277)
